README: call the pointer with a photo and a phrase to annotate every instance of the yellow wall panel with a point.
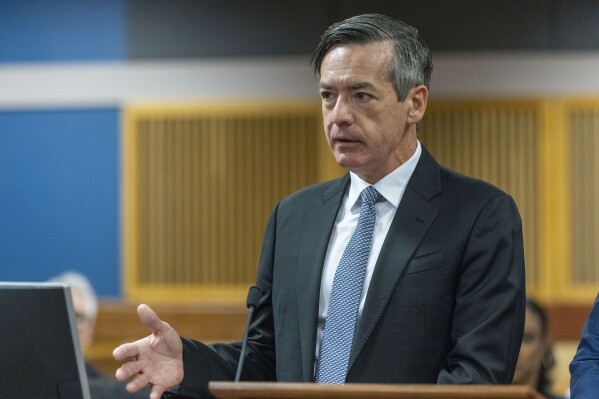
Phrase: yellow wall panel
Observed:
(583, 125)
(199, 182)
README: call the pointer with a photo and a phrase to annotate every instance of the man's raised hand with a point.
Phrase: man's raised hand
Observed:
(156, 360)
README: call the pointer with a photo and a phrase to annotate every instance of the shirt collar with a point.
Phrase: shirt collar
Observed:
(391, 186)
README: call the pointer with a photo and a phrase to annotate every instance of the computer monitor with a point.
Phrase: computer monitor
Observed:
(40, 356)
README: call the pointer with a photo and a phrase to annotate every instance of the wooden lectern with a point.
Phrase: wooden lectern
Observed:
(285, 390)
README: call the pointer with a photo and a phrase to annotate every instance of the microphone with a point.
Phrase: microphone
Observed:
(252, 302)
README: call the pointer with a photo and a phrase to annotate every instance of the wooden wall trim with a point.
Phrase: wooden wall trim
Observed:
(211, 322)
(566, 321)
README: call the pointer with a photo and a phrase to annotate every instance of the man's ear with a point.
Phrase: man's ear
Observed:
(418, 98)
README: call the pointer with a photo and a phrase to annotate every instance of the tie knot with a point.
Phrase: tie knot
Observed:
(370, 195)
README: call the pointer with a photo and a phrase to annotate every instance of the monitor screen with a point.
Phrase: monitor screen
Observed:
(40, 356)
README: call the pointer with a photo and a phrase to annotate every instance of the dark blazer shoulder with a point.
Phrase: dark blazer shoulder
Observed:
(468, 185)
(439, 183)
(316, 194)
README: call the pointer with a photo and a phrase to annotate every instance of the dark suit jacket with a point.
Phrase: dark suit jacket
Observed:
(445, 303)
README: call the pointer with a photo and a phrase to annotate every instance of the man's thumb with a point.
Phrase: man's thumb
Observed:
(150, 319)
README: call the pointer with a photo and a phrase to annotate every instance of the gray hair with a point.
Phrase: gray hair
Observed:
(80, 283)
(412, 64)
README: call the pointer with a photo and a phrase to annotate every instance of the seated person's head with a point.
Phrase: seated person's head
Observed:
(85, 304)
(536, 356)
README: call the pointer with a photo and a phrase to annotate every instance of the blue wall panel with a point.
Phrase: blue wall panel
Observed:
(62, 30)
(59, 196)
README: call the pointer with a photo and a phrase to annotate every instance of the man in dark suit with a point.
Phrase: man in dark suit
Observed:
(441, 297)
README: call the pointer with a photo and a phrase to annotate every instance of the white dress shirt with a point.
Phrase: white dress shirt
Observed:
(391, 188)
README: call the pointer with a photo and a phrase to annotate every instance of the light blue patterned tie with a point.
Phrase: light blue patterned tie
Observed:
(339, 327)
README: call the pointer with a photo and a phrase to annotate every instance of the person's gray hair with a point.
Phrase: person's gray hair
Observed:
(412, 64)
(80, 283)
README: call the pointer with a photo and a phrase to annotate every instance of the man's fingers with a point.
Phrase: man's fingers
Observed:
(123, 352)
(126, 351)
(138, 382)
(149, 319)
(139, 356)
(128, 369)
(156, 392)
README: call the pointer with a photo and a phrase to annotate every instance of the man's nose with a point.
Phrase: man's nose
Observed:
(342, 113)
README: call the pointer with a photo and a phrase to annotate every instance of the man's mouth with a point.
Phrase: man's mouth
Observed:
(345, 139)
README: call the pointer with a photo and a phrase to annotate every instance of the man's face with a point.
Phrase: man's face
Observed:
(369, 131)
(532, 351)
(85, 326)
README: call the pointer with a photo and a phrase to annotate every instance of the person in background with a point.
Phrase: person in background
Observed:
(584, 369)
(536, 353)
(85, 304)
(401, 271)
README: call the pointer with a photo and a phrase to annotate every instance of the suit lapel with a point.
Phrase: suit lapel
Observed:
(317, 231)
(412, 220)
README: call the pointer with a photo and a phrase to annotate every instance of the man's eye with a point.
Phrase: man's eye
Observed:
(363, 96)
(326, 95)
